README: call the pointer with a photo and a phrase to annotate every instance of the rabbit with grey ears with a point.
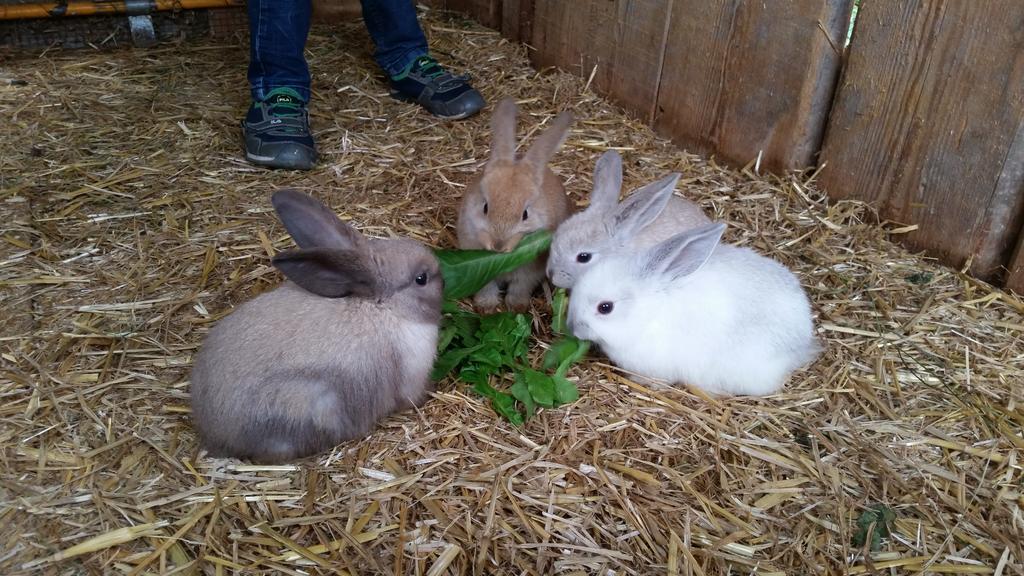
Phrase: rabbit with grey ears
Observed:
(511, 198)
(691, 310)
(649, 215)
(348, 340)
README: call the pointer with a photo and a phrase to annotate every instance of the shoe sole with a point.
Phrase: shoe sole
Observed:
(274, 162)
(403, 98)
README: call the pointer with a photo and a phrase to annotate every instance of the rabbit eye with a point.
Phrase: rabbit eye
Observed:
(525, 215)
(422, 279)
(485, 207)
(605, 308)
(583, 257)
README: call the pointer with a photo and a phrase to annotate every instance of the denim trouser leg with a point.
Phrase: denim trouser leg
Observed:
(277, 41)
(395, 32)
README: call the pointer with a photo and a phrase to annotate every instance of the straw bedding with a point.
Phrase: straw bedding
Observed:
(130, 224)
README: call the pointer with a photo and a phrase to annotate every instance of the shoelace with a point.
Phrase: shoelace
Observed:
(284, 107)
(429, 67)
(284, 114)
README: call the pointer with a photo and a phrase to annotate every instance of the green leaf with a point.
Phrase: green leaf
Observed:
(483, 388)
(541, 387)
(565, 352)
(481, 347)
(521, 392)
(920, 278)
(565, 391)
(502, 402)
(877, 520)
(465, 272)
(559, 310)
(466, 323)
(477, 377)
(505, 337)
(448, 361)
(582, 346)
(505, 405)
(445, 337)
(488, 358)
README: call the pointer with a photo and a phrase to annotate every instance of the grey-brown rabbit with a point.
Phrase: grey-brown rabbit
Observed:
(350, 339)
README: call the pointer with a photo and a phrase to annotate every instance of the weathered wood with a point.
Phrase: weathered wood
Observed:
(928, 125)
(330, 11)
(619, 43)
(517, 20)
(1015, 270)
(1010, 194)
(747, 78)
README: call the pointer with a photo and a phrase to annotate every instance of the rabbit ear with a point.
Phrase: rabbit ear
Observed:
(312, 224)
(503, 131)
(329, 273)
(545, 145)
(607, 182)
(642, 207)
(685, 253)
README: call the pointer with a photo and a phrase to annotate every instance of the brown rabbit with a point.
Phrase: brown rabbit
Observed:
(512, 198)
(350, 339)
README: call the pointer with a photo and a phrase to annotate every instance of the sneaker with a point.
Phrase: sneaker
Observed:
(276, 132)
(442, 93)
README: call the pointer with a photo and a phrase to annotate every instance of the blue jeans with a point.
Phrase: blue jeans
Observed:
(277, 40)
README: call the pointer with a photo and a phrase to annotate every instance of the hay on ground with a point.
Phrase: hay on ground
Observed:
(130, 224)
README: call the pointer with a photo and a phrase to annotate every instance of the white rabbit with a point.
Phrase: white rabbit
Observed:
(649, 215)
(690, 310)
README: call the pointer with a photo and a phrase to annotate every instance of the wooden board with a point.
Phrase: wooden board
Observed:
(330, 11)
(1015, 270)
(517, 20)
(928, 125)
(619, 43)
(743, 78)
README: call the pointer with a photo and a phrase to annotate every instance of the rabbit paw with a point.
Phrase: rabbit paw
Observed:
(518, 300)
(488, 298)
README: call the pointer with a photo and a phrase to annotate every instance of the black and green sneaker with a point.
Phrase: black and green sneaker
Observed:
(276, 132)
(442, 93)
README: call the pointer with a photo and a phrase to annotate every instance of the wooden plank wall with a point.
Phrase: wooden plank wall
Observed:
(737, 78)
(619, 44)
(926, 122)
(517, 20)
(743, 79)
(928, 125)
(1015, 269)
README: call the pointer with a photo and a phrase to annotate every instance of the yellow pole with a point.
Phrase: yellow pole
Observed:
(105, 7)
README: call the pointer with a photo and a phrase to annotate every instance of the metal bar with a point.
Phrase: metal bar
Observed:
(67, 8)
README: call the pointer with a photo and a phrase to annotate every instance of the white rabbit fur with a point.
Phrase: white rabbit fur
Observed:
(690, 310)
(647, 216)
